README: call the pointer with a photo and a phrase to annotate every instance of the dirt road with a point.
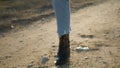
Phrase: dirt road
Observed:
(96, 26)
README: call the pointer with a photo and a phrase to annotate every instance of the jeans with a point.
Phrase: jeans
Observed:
(62, 12)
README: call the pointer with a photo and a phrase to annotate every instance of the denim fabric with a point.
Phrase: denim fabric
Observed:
(62, 11)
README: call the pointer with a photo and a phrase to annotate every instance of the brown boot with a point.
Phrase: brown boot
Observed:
(64, 50)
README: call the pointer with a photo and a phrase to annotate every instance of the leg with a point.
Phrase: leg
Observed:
(62, 11)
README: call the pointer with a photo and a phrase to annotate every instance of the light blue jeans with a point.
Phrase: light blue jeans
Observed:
(62, 11)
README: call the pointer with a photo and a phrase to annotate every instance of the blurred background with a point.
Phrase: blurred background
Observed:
(23, 12)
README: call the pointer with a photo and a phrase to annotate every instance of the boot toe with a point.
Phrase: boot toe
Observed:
(61, 62)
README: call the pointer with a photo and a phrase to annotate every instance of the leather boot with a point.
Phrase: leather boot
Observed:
(64, 50)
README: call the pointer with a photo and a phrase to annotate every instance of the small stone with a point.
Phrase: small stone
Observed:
(53, 46)
(21, 41)
(29, 66)
(32, 61)
(86, 57)
(80, 48)
(86, 48)
(43, 19)
(12, 26)
(44, 60)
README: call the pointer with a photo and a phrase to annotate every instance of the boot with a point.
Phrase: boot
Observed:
(64, 50)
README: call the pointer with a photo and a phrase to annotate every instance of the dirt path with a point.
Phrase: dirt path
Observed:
(96, 27)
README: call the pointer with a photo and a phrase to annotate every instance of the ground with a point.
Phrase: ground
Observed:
(96, 26)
